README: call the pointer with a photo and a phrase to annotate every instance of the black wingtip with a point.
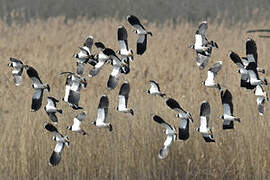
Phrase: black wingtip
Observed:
(50, 127)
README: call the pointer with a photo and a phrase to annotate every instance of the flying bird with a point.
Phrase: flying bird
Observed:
(76, 127)
(262, 97)
(185, 118)
(101, 60)
(140, 30)
(17, 71)
(248, 66)
(103, 107)
(154, 89)
(38, 87)
(228, 117)
(123, 99)
(61, 142)
(118, 67)
(202, 46)
(73, 85)
(125, 52)
(211, 74)
(85, 55)
(204, 128)
(174, 105)
(169, 132)
(51, 109)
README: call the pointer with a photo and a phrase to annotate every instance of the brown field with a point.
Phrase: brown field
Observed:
(130, 151)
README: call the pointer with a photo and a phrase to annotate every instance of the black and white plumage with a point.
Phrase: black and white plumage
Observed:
(242, 69)
(38, 87)
(125, 52)
(211, 74)
(73, 85)
(101, 60)
(61, 142)
(252, 67)
(261, 98)
(228, 117)
(181, 113)
(140, 30)
(84, 55)
(154, 89)
(202, 46)
(171, 136)
(254, 78)
(118, 67)
(103, 107)
(123, 98)
(204, 128)
(17, 71)
(51, 109)
(76, 127)
(185, 118)
(248, 67)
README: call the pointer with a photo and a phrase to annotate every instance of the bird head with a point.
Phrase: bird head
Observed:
(26, 67)
(147, 91)
(69, 127)
(221, 117)
(203, 82)
(94, 123)
(197, 129)
(10, 64)
(54, 138)
(192, 46)
(150, 33)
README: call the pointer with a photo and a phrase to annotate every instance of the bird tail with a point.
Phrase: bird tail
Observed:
(60, 111)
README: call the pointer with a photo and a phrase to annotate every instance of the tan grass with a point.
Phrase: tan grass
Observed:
(130, 151)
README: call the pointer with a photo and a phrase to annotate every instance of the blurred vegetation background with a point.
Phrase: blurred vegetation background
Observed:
(152, 10)
(45, 35)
